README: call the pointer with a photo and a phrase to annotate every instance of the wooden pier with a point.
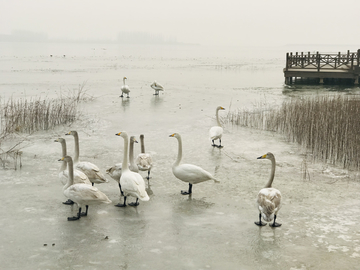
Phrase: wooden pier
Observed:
(323, 66)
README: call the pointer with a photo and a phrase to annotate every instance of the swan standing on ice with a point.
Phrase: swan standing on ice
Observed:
(143, 160)
(82, 194)
(79, 176)
(125, 88)
(188, 172)
(216, 132)
(157, 87)
(90, 169)
(132, 183)
(115, 171)
(269, 199)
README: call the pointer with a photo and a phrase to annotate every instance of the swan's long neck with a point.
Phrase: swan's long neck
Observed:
(77, 148)
(142, 145)
(131, 154)
(272, 173)
(217, 118)
(124, 80)
(179, 156)
(63, 148)
(125, 163)
(70, 180)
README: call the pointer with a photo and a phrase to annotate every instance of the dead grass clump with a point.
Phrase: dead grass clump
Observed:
(327, 126)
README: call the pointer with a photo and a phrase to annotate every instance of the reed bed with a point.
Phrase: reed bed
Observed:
(327, 126)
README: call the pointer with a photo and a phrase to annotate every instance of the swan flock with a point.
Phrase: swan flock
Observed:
(78, 177)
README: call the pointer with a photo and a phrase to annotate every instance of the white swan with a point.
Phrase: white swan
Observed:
(82, 194)
(269, 199)
(143, 160)
(216, 131)
(188, 172)
(79, 176)
(90, 169)
(115, 171)
(132, 183)
(157, 87)
(125, 88)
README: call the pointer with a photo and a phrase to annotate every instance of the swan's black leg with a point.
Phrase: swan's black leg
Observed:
(213, 143)
(184, 192)
(84, 214)
(68, 202)
(122, 205)
(260, 223)
(122, 95)
(220, 144)
(135, 203)
(148, 177)
(92, 184)
(75, 218)
(128, 96)
(275, 224)
(121, 192)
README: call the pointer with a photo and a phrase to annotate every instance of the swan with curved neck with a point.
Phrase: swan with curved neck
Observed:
(216, 132)
(125, 88)
(132, 183)
(90, 169)
(79, 176)
(269, 198)
(143, 160)
(115, 171)
(82, 194)
(189, 173)
(157, 87)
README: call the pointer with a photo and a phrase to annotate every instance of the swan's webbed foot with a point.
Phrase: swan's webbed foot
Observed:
(275, 224)
(184, 192)
(77, 217)
(135, 203)
(260, 223)
(121, 205)
(214, 145)
(122, 96)
(219, 146)
(68, 202)
(84, 214)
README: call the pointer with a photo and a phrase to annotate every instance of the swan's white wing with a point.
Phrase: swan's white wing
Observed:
(79, 177)
(125, 89)
(115, 171)
(92, 171)
(144, 161)
(85, 195)
(215, 132)
(192, 173)
(156, 86)
(133, 184)
(269, 202)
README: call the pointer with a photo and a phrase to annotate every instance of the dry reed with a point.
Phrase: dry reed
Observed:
(327, 126)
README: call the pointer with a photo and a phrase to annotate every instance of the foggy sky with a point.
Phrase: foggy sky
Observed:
(220, 22)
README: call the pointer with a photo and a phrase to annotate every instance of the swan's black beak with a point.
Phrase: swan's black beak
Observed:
(263, 156)
(118, 134)
(61, 159)
(172, 135)
(67, 133)
(136, 141)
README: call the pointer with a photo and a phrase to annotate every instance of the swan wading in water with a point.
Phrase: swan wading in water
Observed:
(115, 171)
(82, 194)
(143, 160)
(132, 183)
(125, 88)
(216, 132)
(157, 87)
(269, 199)
(90, 169)
(79, 176)
(188, 172)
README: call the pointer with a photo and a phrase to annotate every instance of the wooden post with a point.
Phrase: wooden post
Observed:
(302, 60)
(318, 61)
(348, 56)
(287, 62)
(352, 61)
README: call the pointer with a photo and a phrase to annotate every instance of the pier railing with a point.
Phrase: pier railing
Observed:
(317, 61)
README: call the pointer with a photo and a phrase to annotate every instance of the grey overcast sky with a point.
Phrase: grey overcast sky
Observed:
(218, 22)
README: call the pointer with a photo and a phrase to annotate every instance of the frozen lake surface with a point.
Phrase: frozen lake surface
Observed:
(211, 229)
